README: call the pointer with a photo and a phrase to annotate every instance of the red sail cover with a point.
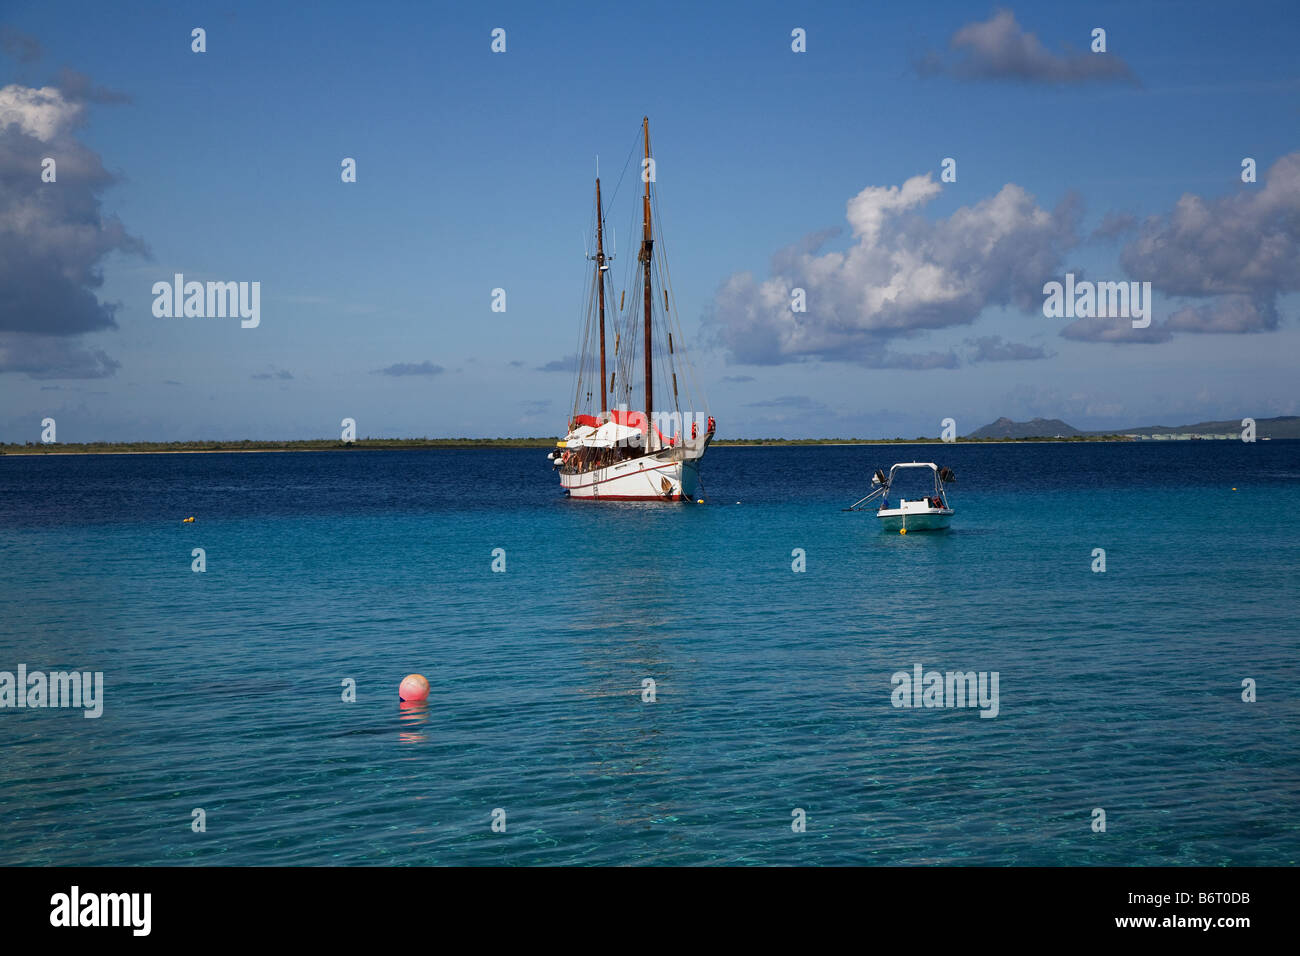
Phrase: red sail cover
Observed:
(638, 421)
(589, 420)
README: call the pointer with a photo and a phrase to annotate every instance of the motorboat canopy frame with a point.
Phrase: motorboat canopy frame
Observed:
(942, 477)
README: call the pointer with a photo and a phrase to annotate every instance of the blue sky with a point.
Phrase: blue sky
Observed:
(474, 171)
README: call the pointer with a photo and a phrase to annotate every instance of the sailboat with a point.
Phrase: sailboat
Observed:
(614, 451)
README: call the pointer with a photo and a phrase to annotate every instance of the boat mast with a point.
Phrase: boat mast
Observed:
(600, 283)
(647, 245)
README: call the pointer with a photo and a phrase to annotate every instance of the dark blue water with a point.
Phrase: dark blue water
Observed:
(1119, 690)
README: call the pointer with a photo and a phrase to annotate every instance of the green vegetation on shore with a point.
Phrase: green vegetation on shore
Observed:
(310, 444)
(380, 444)
(919, 440)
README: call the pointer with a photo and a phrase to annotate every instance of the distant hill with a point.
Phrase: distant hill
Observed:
(1285, 426)
(1037, 428)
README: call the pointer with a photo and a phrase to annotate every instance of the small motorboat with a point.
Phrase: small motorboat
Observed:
(925, 513)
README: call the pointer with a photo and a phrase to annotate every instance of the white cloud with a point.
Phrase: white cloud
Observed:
(1231, 314)
(868, 210)
(1247, 242)
(1000, 49)
(42, 113)
(903, 274)
(54, 237)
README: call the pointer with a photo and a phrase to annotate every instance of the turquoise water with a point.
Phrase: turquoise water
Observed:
(1120, 690)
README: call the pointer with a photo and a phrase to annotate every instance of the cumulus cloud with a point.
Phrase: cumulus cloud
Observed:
(992, 348)
(1232, 314)
(1246, 243)
(1113, 225)
(411, 368)
(42, 113)
(1000, 49)
(47, 357)
(901, 275)
(53, 237)
(1111, 329)
(1223, 315)
(1236, 254)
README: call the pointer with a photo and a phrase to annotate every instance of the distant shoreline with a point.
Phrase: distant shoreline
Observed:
(398, 444)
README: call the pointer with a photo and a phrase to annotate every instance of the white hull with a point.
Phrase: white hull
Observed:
(914, 519)
(668, 475)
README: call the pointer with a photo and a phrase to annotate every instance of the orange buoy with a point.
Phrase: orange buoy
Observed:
(414, 687)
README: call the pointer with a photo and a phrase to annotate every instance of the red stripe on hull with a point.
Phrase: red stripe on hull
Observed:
(626, 498)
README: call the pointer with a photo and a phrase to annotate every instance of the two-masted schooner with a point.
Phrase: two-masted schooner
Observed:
(616, 452)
